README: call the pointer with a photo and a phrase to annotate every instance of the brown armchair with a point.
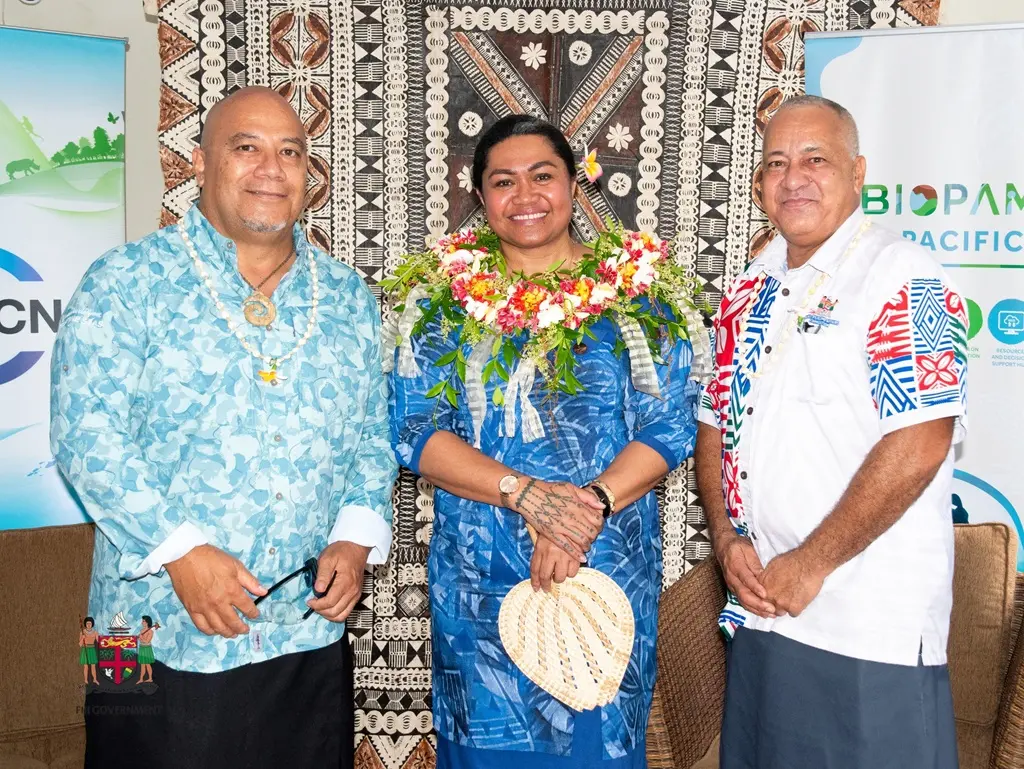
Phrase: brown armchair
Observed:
(44, 589)
(986, 659)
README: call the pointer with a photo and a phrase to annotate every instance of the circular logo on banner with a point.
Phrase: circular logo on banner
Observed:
(10, 322)
(1006, 321)
(977, 501)
(924, 200)
(975, 319)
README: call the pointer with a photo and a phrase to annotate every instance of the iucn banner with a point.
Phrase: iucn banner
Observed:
(62, 133)
(939, 119)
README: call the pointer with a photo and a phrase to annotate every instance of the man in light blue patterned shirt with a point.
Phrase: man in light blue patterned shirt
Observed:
(218, 406)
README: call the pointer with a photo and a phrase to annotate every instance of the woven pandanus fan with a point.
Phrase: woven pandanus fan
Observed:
(574, 642)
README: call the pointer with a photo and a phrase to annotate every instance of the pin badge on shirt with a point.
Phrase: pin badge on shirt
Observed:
(820, 318)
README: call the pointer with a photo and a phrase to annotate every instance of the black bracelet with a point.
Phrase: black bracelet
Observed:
(599, 492)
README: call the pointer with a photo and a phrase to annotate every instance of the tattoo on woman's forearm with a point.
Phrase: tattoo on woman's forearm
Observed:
(526, 490)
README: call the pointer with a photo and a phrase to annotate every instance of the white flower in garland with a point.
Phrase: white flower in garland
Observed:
(534, 55)
(460, 260)
(602, 293)
(550, 313)
(484, 312)
(463, 275)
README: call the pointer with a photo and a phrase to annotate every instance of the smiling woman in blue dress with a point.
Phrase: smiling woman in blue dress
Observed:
(511, 303)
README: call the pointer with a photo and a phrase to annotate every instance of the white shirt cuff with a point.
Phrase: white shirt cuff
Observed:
(707, 416)
(178, 543)
(927, 414)
(365, 527)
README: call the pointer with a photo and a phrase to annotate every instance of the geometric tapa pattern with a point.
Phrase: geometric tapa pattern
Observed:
(598, 76)
(672, 94)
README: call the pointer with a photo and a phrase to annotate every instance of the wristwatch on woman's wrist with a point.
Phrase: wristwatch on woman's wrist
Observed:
(605, 495)
(508, 487)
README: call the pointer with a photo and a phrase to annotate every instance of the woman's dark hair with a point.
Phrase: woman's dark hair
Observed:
(88, 620)
(519, 125)
(148, 620)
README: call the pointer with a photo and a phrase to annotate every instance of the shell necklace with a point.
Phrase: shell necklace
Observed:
(269, 375)
(794, 316)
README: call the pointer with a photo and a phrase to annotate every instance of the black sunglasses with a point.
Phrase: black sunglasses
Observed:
(308, 572)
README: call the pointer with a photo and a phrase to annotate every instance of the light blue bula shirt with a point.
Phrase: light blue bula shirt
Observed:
(160, 422)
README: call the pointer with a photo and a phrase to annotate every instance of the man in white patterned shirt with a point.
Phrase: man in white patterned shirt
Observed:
(825, 459)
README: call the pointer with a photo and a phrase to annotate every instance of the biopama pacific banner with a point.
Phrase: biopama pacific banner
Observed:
(62, 134)
(939, 118)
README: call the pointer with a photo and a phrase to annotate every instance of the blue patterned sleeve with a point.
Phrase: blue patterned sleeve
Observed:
(414, 416)
(668, 423)
(97, 364)
(365, 513)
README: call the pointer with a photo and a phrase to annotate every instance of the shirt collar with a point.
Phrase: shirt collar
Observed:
(220, 251)
(773, 260)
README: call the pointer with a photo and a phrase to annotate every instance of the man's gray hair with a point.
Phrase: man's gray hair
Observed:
(849, 124)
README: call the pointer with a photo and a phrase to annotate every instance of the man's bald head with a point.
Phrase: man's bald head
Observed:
(256, 97)
(251, 164)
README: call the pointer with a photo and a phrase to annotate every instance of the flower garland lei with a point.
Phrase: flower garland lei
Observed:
(462, 279)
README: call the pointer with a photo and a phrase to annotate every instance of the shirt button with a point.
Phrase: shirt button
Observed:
(785, 292)
(750, 410)
(768, 349)
(277, 438)
(65, 369)
(272, 550)
(279, 496)
(743, 475)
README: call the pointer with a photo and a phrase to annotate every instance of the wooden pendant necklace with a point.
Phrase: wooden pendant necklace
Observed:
(258, 309)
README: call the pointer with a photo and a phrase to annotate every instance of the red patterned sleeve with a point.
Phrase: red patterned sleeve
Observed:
(917, 351)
